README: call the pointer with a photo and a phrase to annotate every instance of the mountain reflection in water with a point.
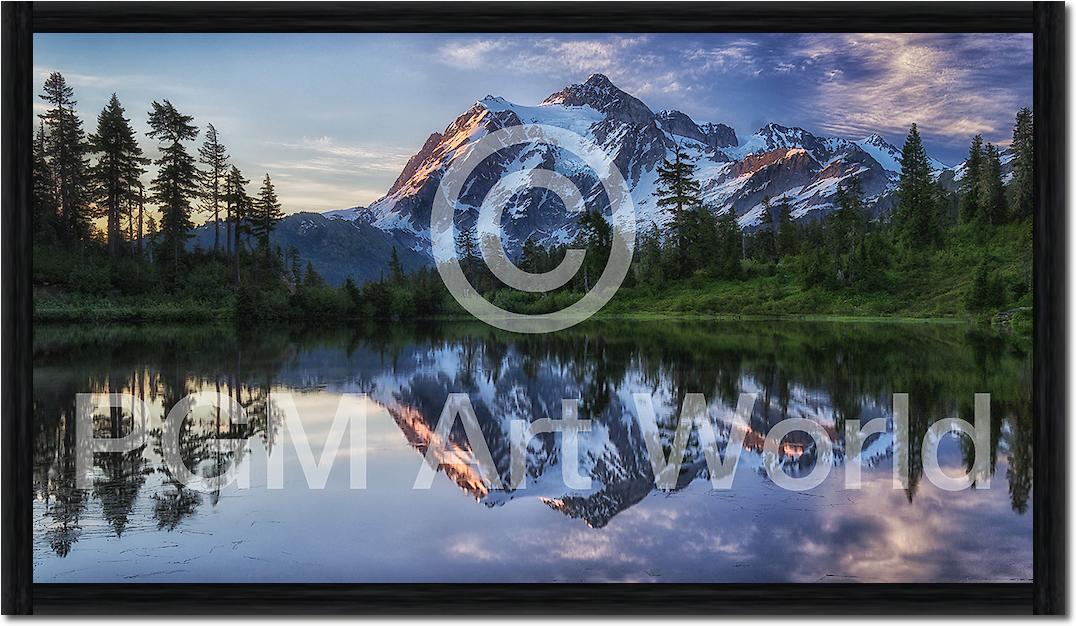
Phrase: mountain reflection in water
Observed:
(138, 523)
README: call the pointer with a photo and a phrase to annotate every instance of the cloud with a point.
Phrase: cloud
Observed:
(327, 155)
(470, 55)
(315, 172)
(953, 86)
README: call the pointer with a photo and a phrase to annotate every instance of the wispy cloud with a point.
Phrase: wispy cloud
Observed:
(314, 170)
(950, 85)
(470, 55)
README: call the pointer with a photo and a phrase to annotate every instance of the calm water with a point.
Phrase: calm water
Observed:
(138, 524)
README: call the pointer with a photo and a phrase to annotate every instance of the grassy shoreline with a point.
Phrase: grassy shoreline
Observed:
(101, 312)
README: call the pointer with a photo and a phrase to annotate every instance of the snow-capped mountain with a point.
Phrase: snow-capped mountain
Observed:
(354, 214)
(775, 162)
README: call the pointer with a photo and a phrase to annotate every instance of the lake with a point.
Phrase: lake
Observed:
(136, 522)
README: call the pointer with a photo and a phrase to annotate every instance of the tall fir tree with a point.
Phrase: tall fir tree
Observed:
(846, 230)
(969, 185)
(530, 259)
(765, 239)
(917, 211)
(1023, 169)
(729, 245)
(396, 270)
(239, 209)
(267, 213)
(177, 177)
(678, 190)
(118, 170)
(65, 148)
(214, 158)
(650, 268)
(467, 246)
(991, 189)
(45, 206)
(787, 240)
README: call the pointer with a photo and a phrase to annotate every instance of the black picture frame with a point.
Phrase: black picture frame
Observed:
(1045, 595)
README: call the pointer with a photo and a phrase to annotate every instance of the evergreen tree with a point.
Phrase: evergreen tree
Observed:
(916, 213)
(596, 237)
(531, 257)
(729, 245)
(239, 209)
(969, 184)
(787, 243)
(118, 169)
(396, 270)
(176, 181)
(294, 265)
(845, 231)
(467, 245)
(311, 279)
(987, 290)
(151, 237)
(1023, 172)
(991, 189)
(649, 254)
(213, 156)
(353, 295)
(65, 147)
(267, 213)
(765, 239)
(703, 239)
(678, 189)
(45, 205)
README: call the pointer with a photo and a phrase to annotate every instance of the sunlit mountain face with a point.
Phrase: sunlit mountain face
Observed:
(467, 529)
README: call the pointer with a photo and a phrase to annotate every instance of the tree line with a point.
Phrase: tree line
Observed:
(79, 178)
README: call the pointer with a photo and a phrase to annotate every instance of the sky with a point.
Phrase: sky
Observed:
(334, 117)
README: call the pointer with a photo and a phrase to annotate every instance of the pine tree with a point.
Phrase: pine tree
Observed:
(787, 243)
(239, 208)
(729, 245)
(294, 265)
(969, 185)
(531, 257)
(65, 147)
(765, 239)
(151, 237)
(214, 157)
(991, 189)
(118, 169)
(396, 270)
(44, 200)
(467, 243)
(176, 181)
(845, 231)
(650, 261)
(916, 213)
(1023, 172)
(311, 279)
(596, 235)
(267, 213)
(677, 188)
(703, 238)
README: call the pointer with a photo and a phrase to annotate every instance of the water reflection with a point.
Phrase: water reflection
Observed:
(825, 372)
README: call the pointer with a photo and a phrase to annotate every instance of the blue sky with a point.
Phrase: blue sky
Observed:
(334, 117)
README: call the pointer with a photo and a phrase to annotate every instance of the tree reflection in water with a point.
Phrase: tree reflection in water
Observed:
(829, 372)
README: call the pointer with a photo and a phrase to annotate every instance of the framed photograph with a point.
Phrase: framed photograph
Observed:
(531, 308)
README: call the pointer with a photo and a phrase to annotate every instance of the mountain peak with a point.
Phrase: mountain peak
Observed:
(600, 94)
(600, 81)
